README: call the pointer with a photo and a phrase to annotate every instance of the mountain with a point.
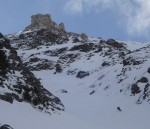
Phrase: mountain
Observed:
(17, 83)
(101, 83)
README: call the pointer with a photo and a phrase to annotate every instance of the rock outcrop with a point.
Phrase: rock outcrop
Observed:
(84, 36)
(5, 127)
(17, 83)
(40, 21)
(62, 26)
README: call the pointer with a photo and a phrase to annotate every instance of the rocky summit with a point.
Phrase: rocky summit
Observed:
(40, 21)
(98, 81)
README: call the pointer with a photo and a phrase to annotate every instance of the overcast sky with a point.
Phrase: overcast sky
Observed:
(118, 19)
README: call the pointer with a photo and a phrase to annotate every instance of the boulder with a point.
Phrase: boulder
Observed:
(135, 89)
(83, 36)
(114, 43)
(143, 80)
(105, 64)
(82, 74)
(62, 26)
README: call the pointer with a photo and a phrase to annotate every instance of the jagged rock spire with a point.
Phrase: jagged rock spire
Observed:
(39, 21)
(62, 26)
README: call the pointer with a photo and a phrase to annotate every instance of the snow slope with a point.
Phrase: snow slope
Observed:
(82, 111)
(114, 74)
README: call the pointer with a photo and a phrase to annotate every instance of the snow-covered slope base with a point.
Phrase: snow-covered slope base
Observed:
(83, 111)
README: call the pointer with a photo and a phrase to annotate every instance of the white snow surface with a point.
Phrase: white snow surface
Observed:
(82, 109)
(132, 45)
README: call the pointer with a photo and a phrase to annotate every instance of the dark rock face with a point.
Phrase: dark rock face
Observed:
(3, 63)
(143, 80)
(105, 64)
(114, 43)
(76, 40)
(82, 74)
(5, 127)
(132, 61)
(135, 89)
(92, 92)
(42, 37)
(58, 68)
(83, 48)
(7, 97)
(148, 70)
(146, 92)
(22, 85)
(42, 64)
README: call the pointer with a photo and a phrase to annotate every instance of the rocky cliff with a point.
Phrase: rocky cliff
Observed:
(17, 83)
(40, 21)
